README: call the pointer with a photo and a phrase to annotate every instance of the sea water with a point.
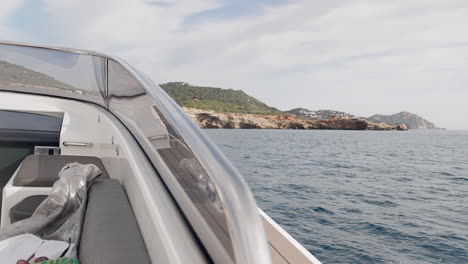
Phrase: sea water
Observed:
(360, 196)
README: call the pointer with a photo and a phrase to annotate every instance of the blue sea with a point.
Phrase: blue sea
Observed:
(360, 196)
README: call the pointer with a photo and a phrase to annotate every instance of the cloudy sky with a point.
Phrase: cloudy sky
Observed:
(362, 57)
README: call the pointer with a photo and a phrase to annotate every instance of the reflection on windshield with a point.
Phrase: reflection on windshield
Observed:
(15, 74)
(123, 84)
(42, 68)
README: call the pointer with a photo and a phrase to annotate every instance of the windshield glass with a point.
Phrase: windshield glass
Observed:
(129, 101)
(54, 71)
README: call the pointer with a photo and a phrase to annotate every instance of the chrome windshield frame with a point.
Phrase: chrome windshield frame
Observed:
(69, 50)
(246, 229)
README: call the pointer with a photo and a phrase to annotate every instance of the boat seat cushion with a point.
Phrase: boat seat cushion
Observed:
(110, 230)
(25, 208)
(42, 170)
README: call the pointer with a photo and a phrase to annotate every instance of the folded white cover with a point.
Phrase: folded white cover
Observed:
(29, 247)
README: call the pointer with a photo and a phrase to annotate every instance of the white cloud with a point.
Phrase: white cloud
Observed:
(7, 8)
(363, 57)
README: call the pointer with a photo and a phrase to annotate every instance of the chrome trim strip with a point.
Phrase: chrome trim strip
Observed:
(69, 50)
(77, 144)
(158, 137)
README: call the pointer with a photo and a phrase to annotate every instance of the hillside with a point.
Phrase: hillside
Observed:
(12, 73)
(229, 101)
(412, 121)
(216, 99)
(319, 114)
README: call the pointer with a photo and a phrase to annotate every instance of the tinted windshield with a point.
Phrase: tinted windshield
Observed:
(33, 68)
(129, 101)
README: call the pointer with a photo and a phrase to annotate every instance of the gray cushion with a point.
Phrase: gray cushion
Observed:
(26, 207)
(110, 230)
(42, 170)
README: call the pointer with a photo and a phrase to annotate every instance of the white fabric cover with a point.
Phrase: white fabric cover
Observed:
(29, 247)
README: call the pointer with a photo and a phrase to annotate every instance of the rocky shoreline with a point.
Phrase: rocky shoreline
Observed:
(211, 119)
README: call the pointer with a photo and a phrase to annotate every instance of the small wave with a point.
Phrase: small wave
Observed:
(322, 210)
(377, 229)
(344, 166)
(410, 224)
(294, 186)
(404, 179)
(324, 221)
(459, 179)
(382, 203)
(453, 237)
(350, 175)
(444, 173)
(381, 230)
(269, 166)
(353, 211)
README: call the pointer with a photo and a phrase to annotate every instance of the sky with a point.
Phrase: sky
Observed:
(356, 56)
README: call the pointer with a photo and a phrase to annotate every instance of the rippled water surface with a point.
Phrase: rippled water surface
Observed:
(361, 196)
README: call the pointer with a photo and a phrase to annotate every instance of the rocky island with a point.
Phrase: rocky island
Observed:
(412, 121)
(227, 108)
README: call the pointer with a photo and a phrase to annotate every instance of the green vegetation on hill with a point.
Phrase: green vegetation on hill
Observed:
(217, 99)
(13, 73)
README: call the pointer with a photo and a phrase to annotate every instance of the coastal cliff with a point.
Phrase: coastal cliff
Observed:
(212, 119)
